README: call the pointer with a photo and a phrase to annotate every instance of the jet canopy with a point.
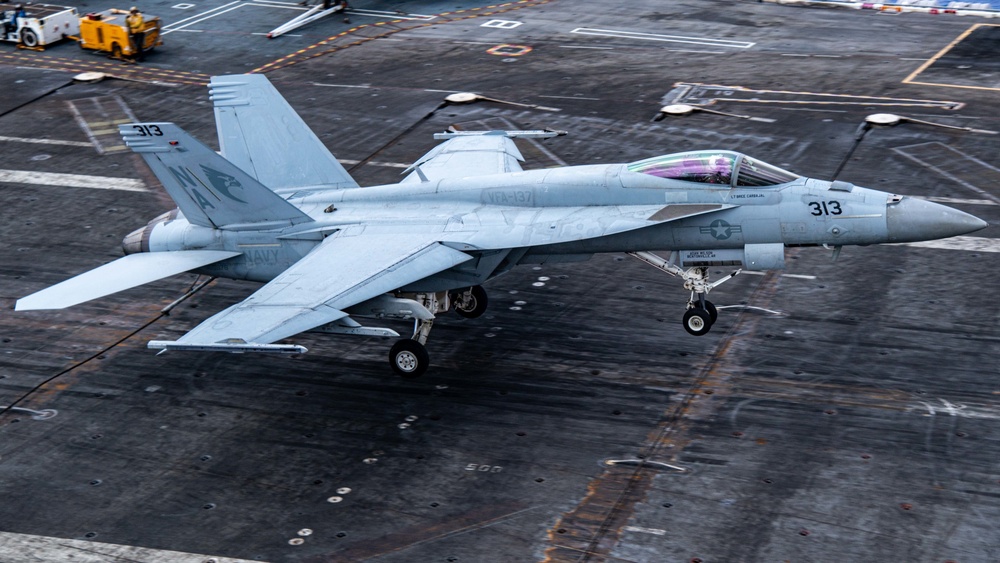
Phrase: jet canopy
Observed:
(714, 167)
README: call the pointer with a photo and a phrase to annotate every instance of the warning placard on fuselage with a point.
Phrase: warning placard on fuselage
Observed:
(724, 257)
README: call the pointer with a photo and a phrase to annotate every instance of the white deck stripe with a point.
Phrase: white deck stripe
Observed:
(375, 163)
(24, 547)
(959, 201)
(216, 9)
(974, 244)
(71, 180)
(708, 41)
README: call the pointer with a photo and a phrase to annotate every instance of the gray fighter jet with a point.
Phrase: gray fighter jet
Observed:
(275, 206)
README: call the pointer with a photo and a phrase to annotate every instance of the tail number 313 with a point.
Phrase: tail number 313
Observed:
(147, 130)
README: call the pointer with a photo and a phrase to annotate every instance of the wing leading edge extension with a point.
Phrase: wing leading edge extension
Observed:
(342, 271)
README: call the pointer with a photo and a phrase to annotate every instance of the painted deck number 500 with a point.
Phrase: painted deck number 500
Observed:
(821, 208)
(148, 130)
(484, 468)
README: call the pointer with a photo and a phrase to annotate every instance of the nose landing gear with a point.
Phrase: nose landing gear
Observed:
(701, 314)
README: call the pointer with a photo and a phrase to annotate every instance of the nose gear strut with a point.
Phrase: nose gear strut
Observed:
(701, 313)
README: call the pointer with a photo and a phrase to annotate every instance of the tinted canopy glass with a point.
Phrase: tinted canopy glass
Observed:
(713, 167)
(707, 167)
(754, 173)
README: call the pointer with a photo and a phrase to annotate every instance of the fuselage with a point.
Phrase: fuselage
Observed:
(509, 219)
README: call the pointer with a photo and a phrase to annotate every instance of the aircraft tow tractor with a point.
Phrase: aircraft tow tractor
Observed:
(39, 25)
(107, 31)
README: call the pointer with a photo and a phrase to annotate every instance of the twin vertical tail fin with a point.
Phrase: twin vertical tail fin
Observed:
(209, 190)
(263, 136)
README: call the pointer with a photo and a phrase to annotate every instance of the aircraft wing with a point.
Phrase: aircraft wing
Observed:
(263, 136)
(342, 271)
(474, 155)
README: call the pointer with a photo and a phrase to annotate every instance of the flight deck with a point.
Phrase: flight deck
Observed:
(839, 410)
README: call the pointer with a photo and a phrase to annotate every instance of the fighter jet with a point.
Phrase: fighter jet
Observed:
(275, 206)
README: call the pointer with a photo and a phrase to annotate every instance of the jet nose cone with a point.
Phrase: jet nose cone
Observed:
(912, 220)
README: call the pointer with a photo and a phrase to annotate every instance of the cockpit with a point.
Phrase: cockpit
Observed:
(723, 168)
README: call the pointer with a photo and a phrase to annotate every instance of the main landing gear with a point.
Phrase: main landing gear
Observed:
(701, 314)
(408, 357)
(470, 303)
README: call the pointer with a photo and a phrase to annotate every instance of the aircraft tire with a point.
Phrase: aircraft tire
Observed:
(697, 321)
(477, 304)
(409, 358)
(713, 313)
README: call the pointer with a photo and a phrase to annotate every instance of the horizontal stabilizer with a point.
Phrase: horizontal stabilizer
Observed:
(124, 273)
(231, 347)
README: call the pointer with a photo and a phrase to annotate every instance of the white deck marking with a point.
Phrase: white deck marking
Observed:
(71, 180)
(701, 94)
(641, 530)
(23, 547)
(954, 165)
(341, 85)
(973, 244)
(47, 142)
(170, 26)
(206, 18)
(502, 24)
(794, 276)
(393, 15)
(375, 163)
(696, 51)
(958, 200)
(708, 41)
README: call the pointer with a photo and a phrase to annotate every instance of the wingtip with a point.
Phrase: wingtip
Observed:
(28, 304)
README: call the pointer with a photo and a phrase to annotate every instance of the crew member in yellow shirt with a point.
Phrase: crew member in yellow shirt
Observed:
(138, 36)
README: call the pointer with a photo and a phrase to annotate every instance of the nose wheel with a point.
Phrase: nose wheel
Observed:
(700, 317)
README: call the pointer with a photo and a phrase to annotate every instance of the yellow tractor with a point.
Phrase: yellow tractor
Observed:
(107, 31)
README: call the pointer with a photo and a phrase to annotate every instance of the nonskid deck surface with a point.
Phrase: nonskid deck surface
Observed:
(838, 411)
